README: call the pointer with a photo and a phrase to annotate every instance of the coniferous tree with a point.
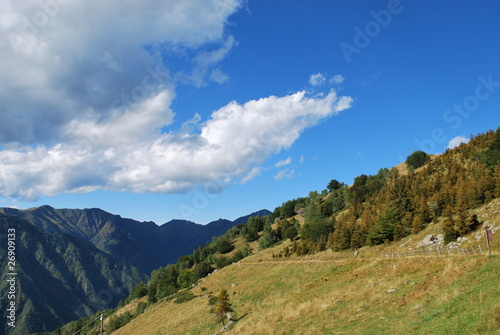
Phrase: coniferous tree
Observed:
(497, 181)
(268, 238)
(418, 223)
(356, 237)
(341, 237)
(459, 221)
(448, 230)
(223, 305)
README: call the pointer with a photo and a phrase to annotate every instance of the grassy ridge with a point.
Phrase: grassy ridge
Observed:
(332, 293)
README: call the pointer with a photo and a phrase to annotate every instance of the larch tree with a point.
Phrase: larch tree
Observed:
(223, 305)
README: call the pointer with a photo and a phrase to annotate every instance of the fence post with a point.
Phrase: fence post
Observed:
(480, 249)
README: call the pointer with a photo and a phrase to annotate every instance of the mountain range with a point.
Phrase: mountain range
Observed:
(144, 245)
(71, 263)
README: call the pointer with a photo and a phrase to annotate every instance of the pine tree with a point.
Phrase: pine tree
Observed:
(223, 305)
(497, 181)
(448, 230)
(418, 223)
(356, 237)
(460, 224)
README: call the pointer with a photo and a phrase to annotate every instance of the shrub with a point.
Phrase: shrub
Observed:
(118, 322)
(183, 296)
(141, 308)
(290, 232)
(416, 160)
(212, 300)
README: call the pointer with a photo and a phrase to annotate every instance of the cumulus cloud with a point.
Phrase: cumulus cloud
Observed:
(61, 59)
(115, 155)
(86, 101)
(457, 141)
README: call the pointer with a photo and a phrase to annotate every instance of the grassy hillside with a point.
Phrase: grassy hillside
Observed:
(335, 293)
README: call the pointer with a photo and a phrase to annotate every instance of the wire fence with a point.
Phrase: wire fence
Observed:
(440, 251)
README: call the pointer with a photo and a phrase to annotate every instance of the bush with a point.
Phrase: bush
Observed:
(312, 231)
(212, 301)
(140, 290)
(290, 232)
(141, 308)
(416, 160)
(118, 322)
(183, 296)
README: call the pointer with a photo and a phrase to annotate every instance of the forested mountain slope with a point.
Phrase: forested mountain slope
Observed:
(142, 244)
(59, 278)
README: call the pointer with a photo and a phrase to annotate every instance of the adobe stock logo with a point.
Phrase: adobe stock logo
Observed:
(456, 115)
(25, 28)
(372, 29)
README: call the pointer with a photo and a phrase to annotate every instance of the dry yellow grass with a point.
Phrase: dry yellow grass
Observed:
(334, 293)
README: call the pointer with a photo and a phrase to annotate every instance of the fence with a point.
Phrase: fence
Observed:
(441, 251)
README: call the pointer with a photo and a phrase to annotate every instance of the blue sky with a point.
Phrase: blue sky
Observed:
(204, 109)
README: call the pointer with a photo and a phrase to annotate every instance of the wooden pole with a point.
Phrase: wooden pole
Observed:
(488, 241)
(101, 324)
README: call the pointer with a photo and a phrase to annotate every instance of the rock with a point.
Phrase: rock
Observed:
(417, 306)
(431, 240)
(233, 285)
(391, 290)
(227, 326)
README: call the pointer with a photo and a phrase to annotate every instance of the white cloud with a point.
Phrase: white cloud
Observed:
(337, 79)
(82, 105)
(457, 141)
(116, 156)
(317, 79)
(62, 59)
(286, 173)
(283, 162)
(255, 172)
(204, 63)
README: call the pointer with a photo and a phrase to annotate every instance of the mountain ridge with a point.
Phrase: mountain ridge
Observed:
(60, 277)
(145, 244)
